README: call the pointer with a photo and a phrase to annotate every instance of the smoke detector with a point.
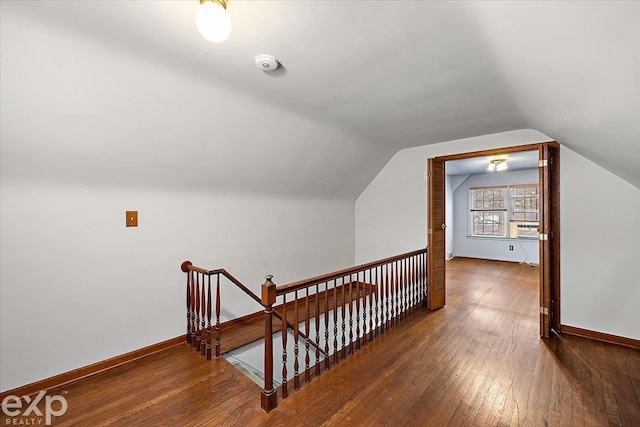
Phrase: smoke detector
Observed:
(266, 62)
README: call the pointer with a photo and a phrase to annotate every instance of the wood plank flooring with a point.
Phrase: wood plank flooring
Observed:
(476, 362)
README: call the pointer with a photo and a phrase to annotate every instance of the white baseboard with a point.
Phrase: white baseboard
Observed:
(492, 258)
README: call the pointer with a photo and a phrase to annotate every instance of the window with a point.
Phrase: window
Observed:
(488, 211)
(495, 207)
(524, 203)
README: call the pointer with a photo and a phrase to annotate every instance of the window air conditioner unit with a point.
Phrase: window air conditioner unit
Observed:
(523, 229)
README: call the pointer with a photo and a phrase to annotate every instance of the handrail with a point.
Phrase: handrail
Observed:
(301, 284)
(353, 306)
(188, 266)
(346, 309)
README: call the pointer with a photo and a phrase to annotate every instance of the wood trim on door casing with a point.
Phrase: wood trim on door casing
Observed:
(554, 196)
(494, 151)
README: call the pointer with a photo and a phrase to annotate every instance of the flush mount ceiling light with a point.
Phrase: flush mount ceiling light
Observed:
(213, 21)
(497, 165)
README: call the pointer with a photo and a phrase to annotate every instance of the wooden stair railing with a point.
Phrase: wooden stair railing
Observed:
(201, 305)
(347, 308)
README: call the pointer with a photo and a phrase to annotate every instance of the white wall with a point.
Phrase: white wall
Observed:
(78, 287)
(391, 212)
(491, 248)
(600, 289)
(89, 131)
(600, 248)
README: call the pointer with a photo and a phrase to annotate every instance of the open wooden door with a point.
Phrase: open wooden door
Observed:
(549, 180)
(549, 170)
(436, 290)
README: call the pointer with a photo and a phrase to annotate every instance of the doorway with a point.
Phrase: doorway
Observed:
(489, 222)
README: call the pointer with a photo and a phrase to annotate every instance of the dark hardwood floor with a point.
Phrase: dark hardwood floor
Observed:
(476, 362)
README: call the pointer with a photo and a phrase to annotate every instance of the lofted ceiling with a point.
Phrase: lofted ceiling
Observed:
(128, 91)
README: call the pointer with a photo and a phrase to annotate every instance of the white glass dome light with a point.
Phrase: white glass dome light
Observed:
(213, 21)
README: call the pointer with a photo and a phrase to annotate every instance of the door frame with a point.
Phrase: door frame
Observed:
(549, 181)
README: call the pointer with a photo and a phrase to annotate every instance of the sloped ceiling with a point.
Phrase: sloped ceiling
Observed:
(129, 93)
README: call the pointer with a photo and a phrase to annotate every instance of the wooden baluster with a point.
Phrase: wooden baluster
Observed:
(269, 397)
(189, 276)
(193, 311)
(400, 290)
(364, 291)
(209, 317)
(326, 326)
(421, 283)
(419, 297)
(197, 312)
(392, 286)
(357, 289)
(396, 299)
(416, 293)
(417, 280)
(407, 285)
(413, 281)
(392, 300)
(388, 299)
(296, 323)
(185, 268)
(401, 293)
(365, 323)
(376, 302)
(285, 331)
(425, 280)
(344, 321)
(391, 309)
(384, 273)
(203, 313)
(307, 372)
(404, 284)
(335, 321)
(350, 314)
(387, 306)
(317, 346)
(217, 315)
(410, 284)
(371, 290)
(396, 311)
(362, 297)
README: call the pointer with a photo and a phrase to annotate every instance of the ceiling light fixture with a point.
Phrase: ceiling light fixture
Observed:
(497, 165)
(213, 21)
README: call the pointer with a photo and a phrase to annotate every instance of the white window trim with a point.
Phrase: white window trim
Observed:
(503, 212)
(506, 213)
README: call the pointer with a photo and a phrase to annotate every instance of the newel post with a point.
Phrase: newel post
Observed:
(269, 397)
